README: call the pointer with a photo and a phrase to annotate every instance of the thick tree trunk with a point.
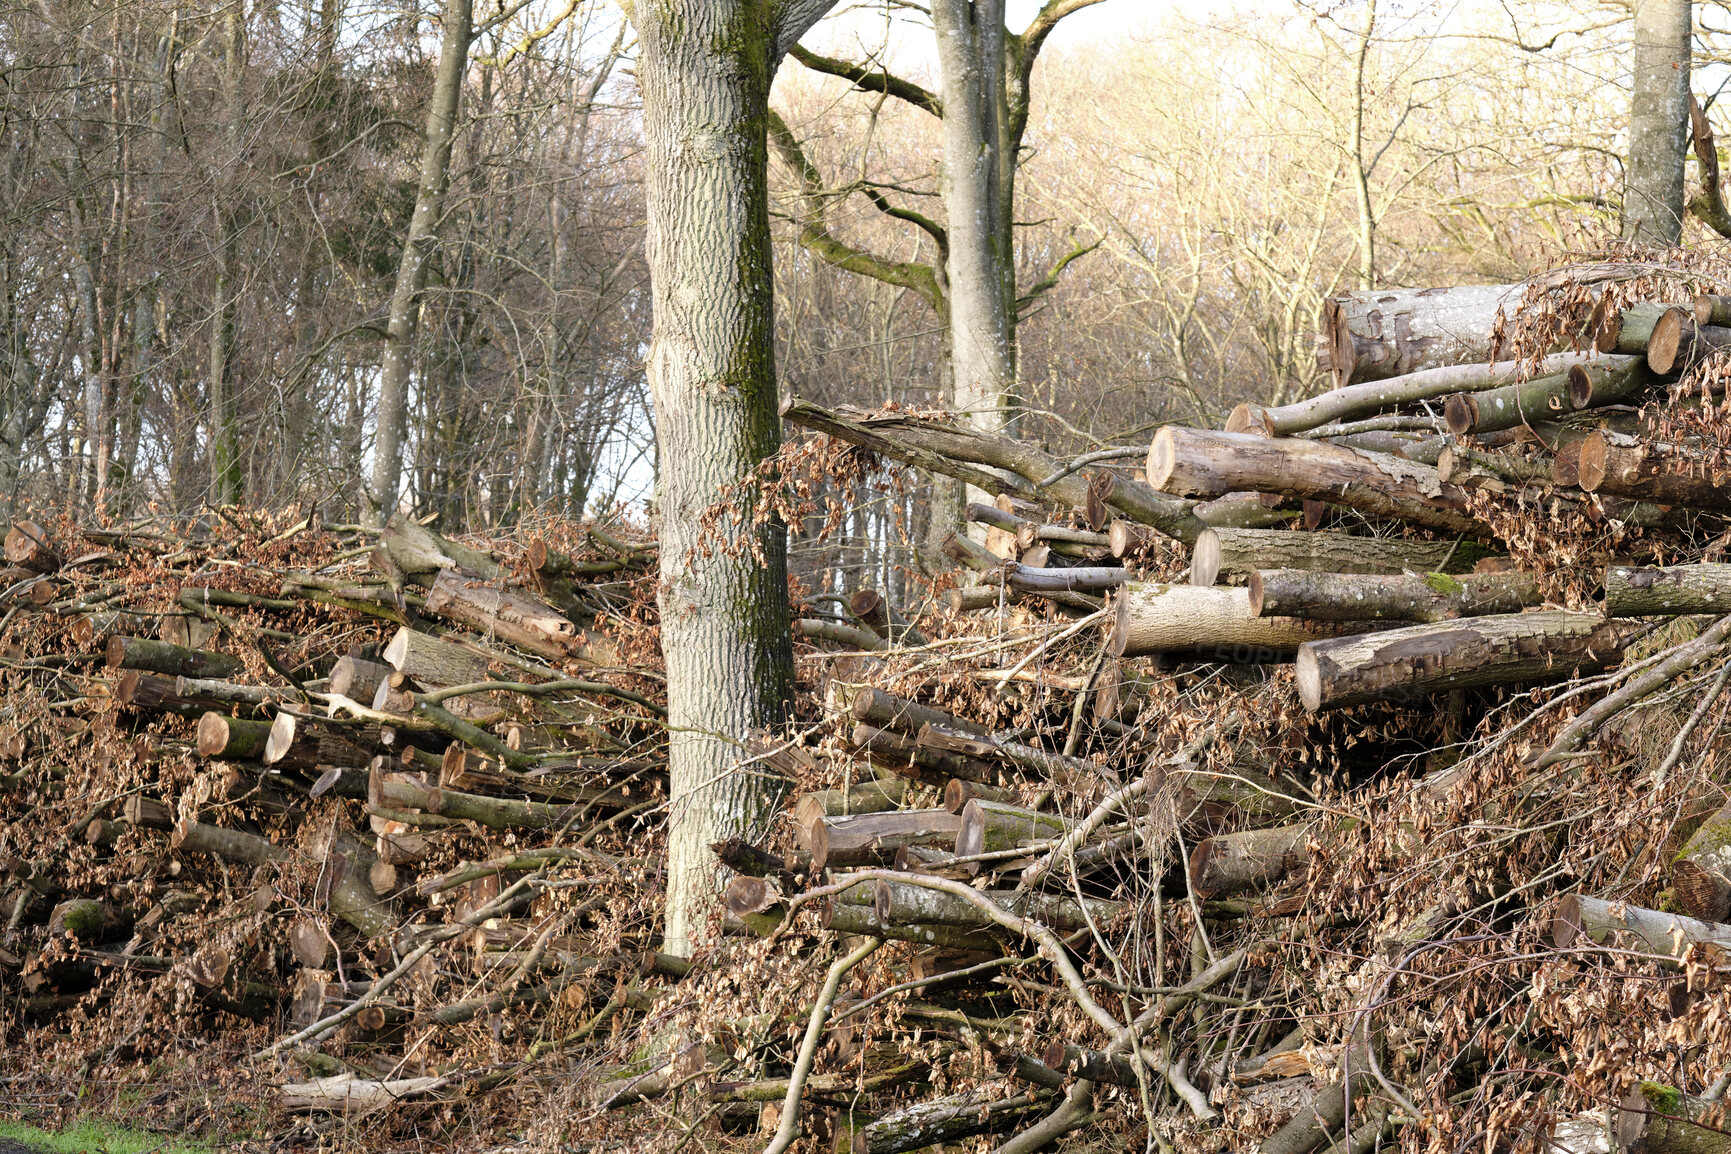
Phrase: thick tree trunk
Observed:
(1387, 395)
(1240, 552)
(1404, 597)
(1200, 463)
(1656, 473)
(403, 323)
(1658, 121)
(1386, 333)
(508, 614)
(1609, 381)
(704, 70)
(1404, 664)
(1653, 592)
(1210, 625)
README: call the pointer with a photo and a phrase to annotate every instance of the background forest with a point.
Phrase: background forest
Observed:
(206, 210)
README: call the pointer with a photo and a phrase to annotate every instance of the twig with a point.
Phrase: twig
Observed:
(788, 1130)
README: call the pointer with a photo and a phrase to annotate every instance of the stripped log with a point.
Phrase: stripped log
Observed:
(1209, 624)
(1404, 597)
(1420, 660)
(1647, 472)
(1202, 463)
(1650, 591)
(1241, 552)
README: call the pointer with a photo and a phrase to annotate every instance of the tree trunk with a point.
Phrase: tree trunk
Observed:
(1656, 473)
(990, 826)
(403, 323)
(124, 652)
(1200, 463)
(1405, 664)
(1392, 332)
(1387, 395)
(1240, 552)
(508, 614)
(1405, 597)
(1608, 381)
(1209, 625)
(704, 70)
(1654, 592)
(1658, 122)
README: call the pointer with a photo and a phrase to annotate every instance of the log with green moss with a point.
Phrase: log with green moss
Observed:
(1316, 596)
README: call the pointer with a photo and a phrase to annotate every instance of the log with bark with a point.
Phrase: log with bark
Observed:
(1408, 597)
(1200, 463)
(1420, 660)
(1626, 330)
(905, 757)
(1599, 921)
(123, 652)
(1701, 871)
(1651, 591)
(1210, 624)
(1614, 380)
(1241, 552)
(1662, 474)
(1679, 342)
(1375, 334)
(873, 838)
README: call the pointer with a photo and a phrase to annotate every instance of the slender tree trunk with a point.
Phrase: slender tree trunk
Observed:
(227, 471)
(417, 255)
(982, 362)
(704, 68)
(1658, 123)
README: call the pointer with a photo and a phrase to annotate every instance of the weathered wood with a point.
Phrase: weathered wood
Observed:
(1679, 343)
(1650, 591)
(1060, 769)
(1250, 859)
(27, 544)
(1647, 472)
(1386, 395)
(1241, 552)
(1404, 597)
(1081, 1062)
(901, 903)
(1405, 664)
(905, 757)
(958, 792)
(1701, 871)
(147, 812)
(1202, 463)
(85, 919)
(877, 796)
(1610, 381)
(123, 652)
(887, 711)
(848, 918)
(231, 738)
(938, 1121)
(1078, 578)
(406, 791)
(421, 553)
(1209, 624)
(990, 826)
(873, 838)
(358, 679)
(508, 614)
(1466, 467)
(1597, 920)
(1375, 334)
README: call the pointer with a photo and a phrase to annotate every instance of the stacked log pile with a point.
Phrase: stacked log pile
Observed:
(1348, 776)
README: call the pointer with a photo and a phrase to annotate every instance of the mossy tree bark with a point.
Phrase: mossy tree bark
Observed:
(704, 70)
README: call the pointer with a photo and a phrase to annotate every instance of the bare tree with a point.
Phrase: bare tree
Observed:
(1658, 123)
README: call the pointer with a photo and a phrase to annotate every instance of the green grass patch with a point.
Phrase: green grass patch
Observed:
(91, 1137)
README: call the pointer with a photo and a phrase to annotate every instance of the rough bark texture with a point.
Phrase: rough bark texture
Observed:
(1404, 664)
(1209, 624)
(705, 70)
(1649, 591)
(1403, 597)
(418, 246)
(1391, 332)
(1200, 463)
(1241, 552)
(1646, 472)
(1658, 114)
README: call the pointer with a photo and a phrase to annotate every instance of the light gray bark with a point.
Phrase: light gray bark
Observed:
(977, 191)
(417, 256)
(704, 69)
(1658, 123)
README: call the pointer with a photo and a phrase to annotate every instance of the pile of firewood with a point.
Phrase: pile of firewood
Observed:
(1320, 782)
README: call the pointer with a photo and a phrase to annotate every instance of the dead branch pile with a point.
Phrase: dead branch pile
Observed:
(1348, 777)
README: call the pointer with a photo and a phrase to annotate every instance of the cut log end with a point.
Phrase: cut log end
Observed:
(212, 735)
(1666, 342)
(281, 738)
(1256, 591)
(1566, 922)
(1243, 419)
(114, 653)
(1461, 413)
(1162, 459)
(1590, 462)
(1702, 893)
(1309, 679)
(1204, 560)
(1580, 387)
